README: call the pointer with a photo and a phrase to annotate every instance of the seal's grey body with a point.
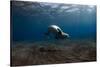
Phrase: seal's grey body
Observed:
(57, 32)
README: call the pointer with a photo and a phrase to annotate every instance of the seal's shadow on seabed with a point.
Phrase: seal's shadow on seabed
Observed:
(56, 32)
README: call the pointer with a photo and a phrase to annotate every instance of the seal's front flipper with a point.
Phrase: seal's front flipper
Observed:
(56, 37)
(59, 31)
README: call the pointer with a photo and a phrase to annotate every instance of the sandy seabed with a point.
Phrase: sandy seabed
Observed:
(44, 52)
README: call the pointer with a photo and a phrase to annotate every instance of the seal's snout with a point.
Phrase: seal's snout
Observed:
(65, 35)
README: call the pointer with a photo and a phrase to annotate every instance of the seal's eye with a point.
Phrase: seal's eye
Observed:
(66, 36)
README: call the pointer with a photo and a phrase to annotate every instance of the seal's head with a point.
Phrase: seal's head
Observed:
(63, 35)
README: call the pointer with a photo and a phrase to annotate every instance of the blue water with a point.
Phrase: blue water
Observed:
(29, 20)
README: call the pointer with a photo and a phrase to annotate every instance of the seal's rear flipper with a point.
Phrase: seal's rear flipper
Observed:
(47, 33)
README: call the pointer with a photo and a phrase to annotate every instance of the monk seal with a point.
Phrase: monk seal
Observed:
(57, 32)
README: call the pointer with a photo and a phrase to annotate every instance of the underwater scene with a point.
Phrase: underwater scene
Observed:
(52, 33)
